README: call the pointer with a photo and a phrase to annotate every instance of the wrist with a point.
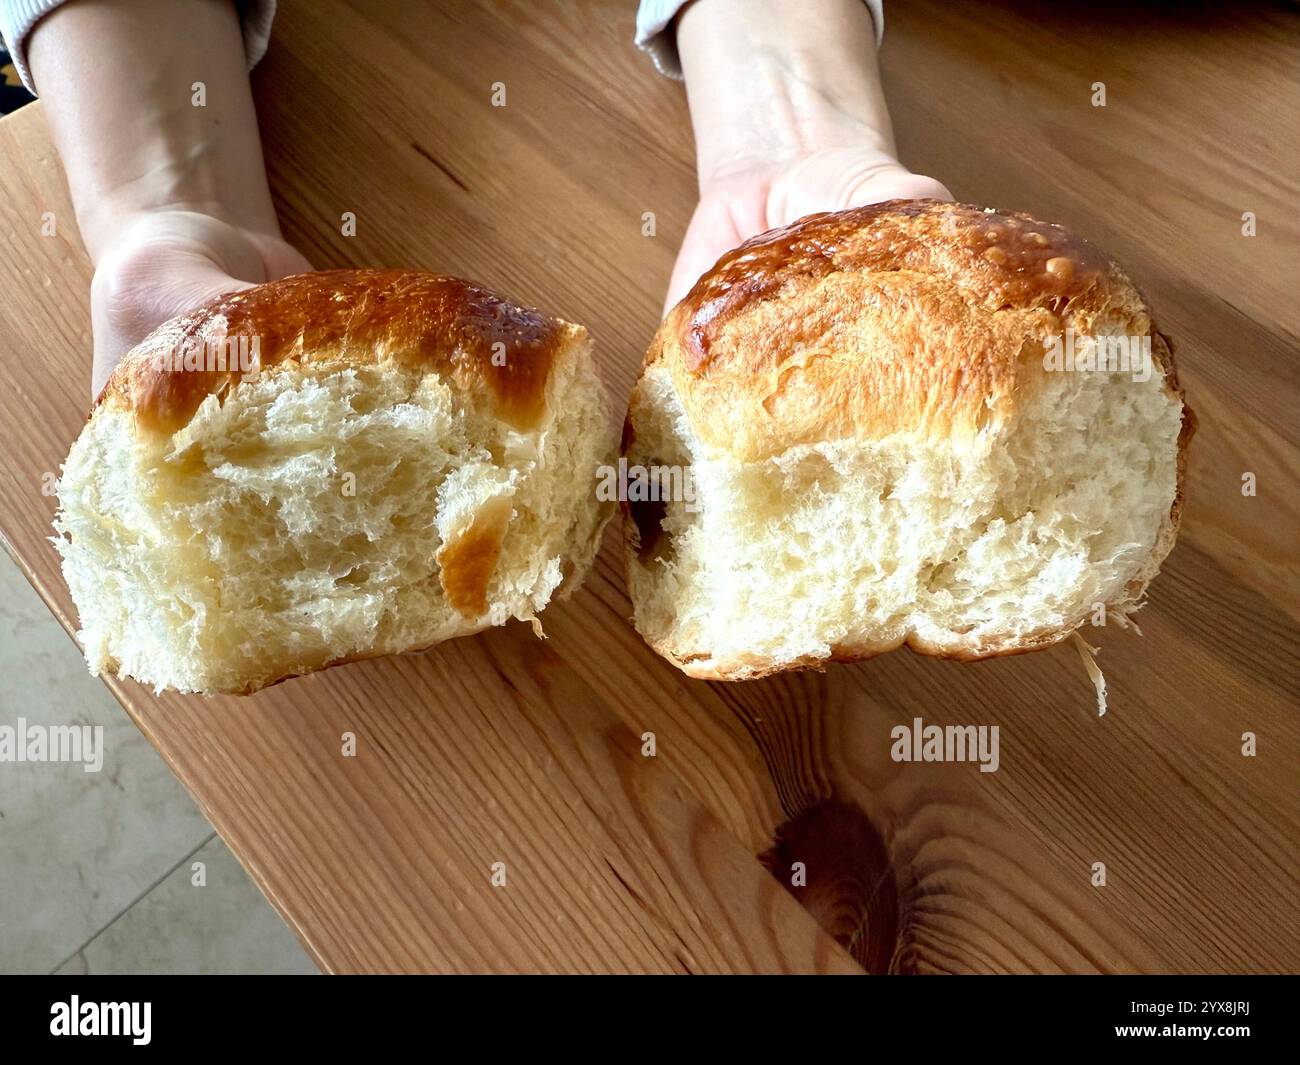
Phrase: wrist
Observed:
(117, 217)
(178, 164)
(771, 80)
(150, 107)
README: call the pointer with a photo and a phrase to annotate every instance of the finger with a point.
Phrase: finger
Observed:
(280, 259)
(898, 186)
(691, 263)
(133, 298)
(712, 233)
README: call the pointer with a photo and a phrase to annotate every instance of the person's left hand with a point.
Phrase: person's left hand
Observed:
(755, 197)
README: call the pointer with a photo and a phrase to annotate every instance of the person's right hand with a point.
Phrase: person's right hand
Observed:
(163, 263)
(789, 118)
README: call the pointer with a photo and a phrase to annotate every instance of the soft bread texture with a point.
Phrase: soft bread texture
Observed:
(413, 461)
(879, 454)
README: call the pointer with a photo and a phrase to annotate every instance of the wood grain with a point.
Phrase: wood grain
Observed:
(502, 748)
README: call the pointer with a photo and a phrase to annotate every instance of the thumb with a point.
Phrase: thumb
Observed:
(902, 185)
(128, 300)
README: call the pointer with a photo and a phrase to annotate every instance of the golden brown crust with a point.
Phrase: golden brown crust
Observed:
(501, 353)
(1004, 259)
(480, 341)
(466, 561)
(794, 338)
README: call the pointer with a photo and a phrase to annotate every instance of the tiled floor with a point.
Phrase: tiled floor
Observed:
(97, 870)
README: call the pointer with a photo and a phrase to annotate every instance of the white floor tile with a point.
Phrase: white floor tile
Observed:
(223, 926)
(78, 848)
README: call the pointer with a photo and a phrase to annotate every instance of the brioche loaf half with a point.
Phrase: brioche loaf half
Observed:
(882, 451)
(409, 458)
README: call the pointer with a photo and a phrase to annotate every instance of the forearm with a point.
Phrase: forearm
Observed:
(116, 80)
(771, 79)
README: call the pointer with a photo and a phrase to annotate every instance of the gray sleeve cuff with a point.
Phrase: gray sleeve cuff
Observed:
(17, 17)
(654, 19)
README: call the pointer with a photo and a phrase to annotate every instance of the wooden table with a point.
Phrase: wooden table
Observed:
(505, 749)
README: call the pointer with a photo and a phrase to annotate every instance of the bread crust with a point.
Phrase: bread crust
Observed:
(759, 367)
(962, 287)
(496, 352)
(354, 317)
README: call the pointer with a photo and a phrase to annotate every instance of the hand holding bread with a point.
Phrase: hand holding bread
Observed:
(159, 264)
(881, 448)
(406, 458)
(883, 452)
